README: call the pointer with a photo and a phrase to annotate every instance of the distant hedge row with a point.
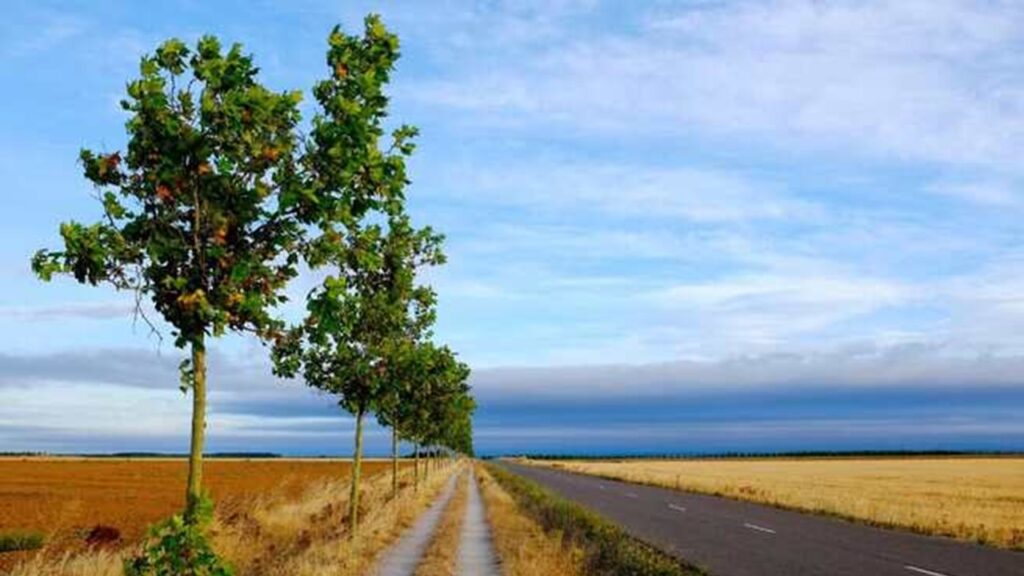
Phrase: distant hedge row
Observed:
(607, 548)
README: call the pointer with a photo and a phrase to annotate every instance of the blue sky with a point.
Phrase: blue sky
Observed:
(678, 226)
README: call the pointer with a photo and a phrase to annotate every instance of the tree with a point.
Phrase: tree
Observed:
(370, 300)
(404, 360)
(440, 401)
(199, 213)
(413, 364)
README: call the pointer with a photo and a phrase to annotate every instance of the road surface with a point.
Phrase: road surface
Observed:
(734, 538)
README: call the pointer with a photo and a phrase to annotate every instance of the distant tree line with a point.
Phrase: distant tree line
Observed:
(219, 200)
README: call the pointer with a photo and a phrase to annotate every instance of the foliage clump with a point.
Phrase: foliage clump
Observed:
(179, 547)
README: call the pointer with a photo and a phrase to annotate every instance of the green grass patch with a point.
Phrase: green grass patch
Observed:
(608, 549)
(13, 541)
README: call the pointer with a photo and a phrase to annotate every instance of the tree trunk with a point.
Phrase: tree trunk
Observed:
(353, 501)
(194, 490)
(416, 467)
(394, 462)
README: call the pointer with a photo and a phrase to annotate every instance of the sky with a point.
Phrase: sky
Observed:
(686, 227)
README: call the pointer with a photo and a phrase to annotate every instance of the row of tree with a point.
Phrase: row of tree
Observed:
(219, 200)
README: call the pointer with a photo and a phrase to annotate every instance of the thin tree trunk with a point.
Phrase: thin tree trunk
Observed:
(194, 490)
(353, 501)
(394, 462)
(416, 467)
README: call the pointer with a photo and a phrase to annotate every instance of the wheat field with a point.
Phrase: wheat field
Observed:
(977, 498)
(273, 516)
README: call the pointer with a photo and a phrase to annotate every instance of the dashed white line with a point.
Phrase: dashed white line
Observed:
(759, 528)
(677, 508)
(923, 571)
(602, 486)
(631, 495)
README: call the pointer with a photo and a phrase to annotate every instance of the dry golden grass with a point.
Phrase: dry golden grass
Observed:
(282, 531)
(309, 536)
(523, 546)
(97, 563)
(979, 499)
(442, 554)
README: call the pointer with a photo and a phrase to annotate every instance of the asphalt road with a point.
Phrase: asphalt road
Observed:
(734, 538)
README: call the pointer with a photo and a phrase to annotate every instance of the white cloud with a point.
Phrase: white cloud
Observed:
(985, 192)
(86, 310)
(638, 191)
(931, 81)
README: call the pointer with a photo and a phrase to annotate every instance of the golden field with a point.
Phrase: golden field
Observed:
(972, 498)
(65, 498)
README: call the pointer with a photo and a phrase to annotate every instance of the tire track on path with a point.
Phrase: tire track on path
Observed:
(403, 558)
(476, 551)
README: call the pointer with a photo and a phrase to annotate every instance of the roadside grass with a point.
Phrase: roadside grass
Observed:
(67, 563)
(607, 549)
(522, 544)
(309, 536)
(16, 541)
(979, 499)
(442, 554)
(279, 532)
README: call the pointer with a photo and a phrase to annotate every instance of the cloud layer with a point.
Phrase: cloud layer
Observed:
(118, 400)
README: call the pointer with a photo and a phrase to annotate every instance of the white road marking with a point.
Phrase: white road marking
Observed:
(923, 571)
(631, 495)
(677, 508)
(601, 486)
(759, 528)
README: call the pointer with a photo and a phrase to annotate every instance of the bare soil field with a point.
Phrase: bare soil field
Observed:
(67, 498)
(972, 498)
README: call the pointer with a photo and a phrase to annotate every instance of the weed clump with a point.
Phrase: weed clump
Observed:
(178, 546)
(14, 541)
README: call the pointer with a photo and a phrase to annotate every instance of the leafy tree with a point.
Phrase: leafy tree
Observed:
(413, 365)
(199, 213)
(441, 401)
(370, 300)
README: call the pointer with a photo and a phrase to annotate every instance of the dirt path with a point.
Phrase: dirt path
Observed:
(476, 551)
(402, 558)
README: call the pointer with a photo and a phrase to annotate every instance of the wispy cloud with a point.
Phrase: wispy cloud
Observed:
(93, 310)
(907, 79)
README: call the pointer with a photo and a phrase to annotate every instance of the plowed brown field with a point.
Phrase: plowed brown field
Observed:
(65, 498)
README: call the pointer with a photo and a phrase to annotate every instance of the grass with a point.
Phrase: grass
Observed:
(977, 499)
(67, 563)
(16, 541)
(442, 554)
(607, 549)
(309, 536)
(283, 532)
(522, 544)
